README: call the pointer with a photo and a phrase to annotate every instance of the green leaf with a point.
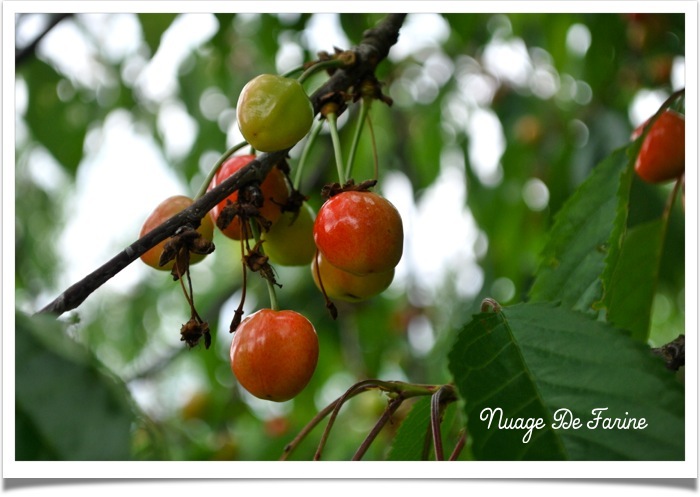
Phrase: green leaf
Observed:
(532, 360)
(59, 126)
(153, 27)
(585, 239)
(67, 407)
(409, 442)
(631, 289)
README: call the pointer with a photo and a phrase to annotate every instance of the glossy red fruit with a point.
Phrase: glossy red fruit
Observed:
(341, 285)
(274, 354)
(662, 154)
(273, 112)
(290, 241)
(359, 232)
(274, 190)
(164, 211)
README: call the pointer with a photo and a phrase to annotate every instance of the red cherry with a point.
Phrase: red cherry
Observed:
(662, 154)
(359, 232)
(274, 190)
(341, 285)
(164, 211)
(274, 354)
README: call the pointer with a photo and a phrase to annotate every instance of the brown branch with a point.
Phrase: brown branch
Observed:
(373, 48)
(76, 294)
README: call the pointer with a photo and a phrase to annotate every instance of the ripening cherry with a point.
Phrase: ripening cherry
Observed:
(164, 211)
(360, 232)
(274, 354)
(274, 191)
(290, 241)
(662, 154)
(273, 112)
(341, 285)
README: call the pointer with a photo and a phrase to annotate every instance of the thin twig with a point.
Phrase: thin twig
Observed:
(459, 446)
(351, 392)
(394, 404)
(435, 420)
(307, 429)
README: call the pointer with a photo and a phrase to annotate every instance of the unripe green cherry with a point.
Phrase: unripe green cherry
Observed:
(290, 241)
(273, 112)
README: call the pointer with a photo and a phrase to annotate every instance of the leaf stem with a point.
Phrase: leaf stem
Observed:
(398, 391)
(394, 404)
(436, 407)
(351, 392)
(459, 446)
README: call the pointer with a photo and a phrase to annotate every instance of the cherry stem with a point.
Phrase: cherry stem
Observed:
(292, 71)
(217, 166)
(333, 126)
(238, 313)
(364, 109)
(319, 66)
(315, 131)
(184, 289)
(329, 303)
(375, 155)
(274, 304)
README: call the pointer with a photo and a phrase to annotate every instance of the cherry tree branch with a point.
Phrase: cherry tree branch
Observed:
(373, 48)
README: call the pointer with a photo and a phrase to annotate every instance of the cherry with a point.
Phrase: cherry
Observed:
(359, 232)
(341, 285)
(274, 192)
(662, 154)
(274, 354)
(164, 211)
(273, 112)
(290, 241)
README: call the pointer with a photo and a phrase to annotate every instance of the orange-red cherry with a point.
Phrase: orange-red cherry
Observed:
(360, 232)
(274, 354)
(662, 154)
(274, 190)
(341, 285)
(164, 211)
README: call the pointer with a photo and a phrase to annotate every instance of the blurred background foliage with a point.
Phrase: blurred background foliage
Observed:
(496, 119)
